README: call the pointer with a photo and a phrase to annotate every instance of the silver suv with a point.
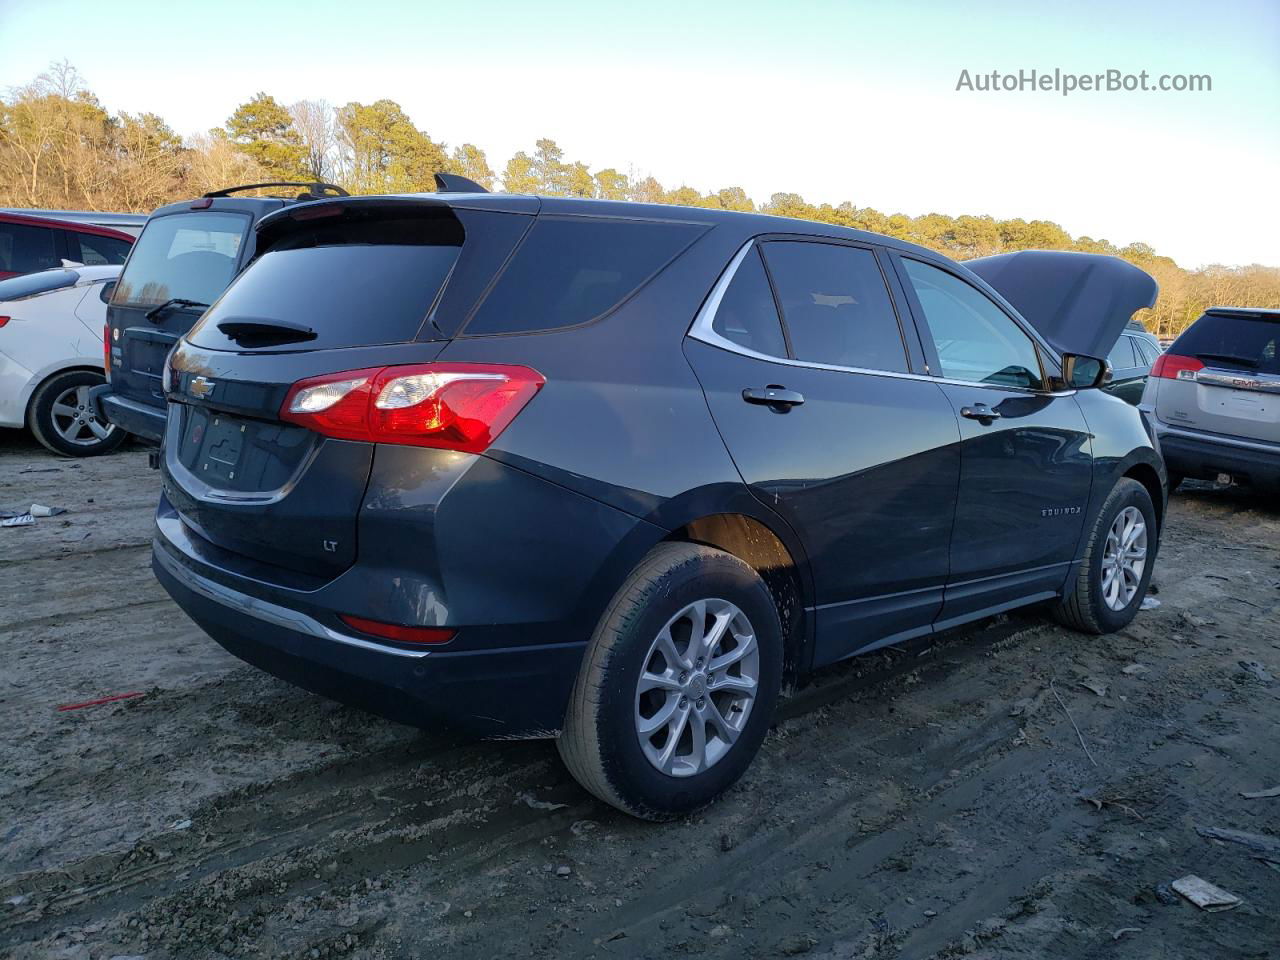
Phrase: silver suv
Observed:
(1214, 397)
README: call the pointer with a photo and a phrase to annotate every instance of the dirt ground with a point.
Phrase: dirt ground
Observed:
(931, 801)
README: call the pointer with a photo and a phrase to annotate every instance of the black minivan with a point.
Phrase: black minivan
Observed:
(615, 473)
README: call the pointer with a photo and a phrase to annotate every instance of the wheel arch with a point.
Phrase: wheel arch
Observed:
(782, 567)
(45, 374)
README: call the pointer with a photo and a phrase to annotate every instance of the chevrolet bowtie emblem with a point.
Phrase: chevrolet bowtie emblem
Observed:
(201, 387)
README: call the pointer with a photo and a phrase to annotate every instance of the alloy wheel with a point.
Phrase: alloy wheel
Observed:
(74, 419)
(1124, 558)
(697, 686)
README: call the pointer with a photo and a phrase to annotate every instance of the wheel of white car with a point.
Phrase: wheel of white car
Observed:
(678, 685)
(62, 418)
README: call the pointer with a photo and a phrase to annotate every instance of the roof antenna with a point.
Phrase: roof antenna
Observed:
(452, 183)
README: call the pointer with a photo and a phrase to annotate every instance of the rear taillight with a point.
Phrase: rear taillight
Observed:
(453, 406)
(1170, 366)
(401, 634)
(3, 321)
(106, 350)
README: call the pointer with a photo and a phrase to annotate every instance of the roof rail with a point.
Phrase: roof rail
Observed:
(452, 183)
(315, 191)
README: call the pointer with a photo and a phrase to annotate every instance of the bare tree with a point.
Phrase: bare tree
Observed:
(314, 121)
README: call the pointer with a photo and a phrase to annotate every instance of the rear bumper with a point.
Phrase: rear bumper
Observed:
(1203, 456)
(506, 692)
(140, 419)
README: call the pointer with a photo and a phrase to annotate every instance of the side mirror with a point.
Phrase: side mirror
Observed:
(1082, 373)
(107, 290)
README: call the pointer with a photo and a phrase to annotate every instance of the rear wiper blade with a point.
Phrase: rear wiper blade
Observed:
(265, 332)
(154, 313)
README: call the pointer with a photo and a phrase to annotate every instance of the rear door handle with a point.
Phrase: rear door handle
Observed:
(980, 412)
(773, 396)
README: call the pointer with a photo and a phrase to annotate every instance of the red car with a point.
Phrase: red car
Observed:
(28, 244)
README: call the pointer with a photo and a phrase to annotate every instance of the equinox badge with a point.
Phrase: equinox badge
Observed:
(201, 387)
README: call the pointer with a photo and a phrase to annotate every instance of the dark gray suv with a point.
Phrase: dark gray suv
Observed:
(613, 473)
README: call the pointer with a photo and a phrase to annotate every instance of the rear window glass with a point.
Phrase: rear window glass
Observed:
(16, 288)
(570, 270)
(836, 305)
(352, 292)
(1233, 342)
(187, 255)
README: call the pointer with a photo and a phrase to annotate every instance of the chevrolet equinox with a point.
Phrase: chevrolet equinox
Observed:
(615, 473)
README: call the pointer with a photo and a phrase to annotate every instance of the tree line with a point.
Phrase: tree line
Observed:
(61, 149)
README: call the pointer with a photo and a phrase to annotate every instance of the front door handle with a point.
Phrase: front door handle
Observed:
(779, 398)
(980, 412)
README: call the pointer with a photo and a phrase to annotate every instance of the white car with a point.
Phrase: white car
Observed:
(51, 354)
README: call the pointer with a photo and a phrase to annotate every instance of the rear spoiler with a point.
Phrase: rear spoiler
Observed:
(315, 191)
(1079, 302)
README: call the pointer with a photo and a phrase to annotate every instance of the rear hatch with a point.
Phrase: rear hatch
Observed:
(349, 286)
(1222, 375)
(181, 264)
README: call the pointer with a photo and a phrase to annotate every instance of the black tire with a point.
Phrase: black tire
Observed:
(1085, 608)
(41, 416)
(600, 743)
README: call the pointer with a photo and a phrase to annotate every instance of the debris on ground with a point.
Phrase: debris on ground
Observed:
(1117, 934)
(1256, 670)
(40, 510)
(1205, 895)
(1262, 794)
(1135, 668)
(101, 700)
(1149, 603)
(1097, 686)
(1164, 893)
(21, 520)
(1268, 846)
(529, 800)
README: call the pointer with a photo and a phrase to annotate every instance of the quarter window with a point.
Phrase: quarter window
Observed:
(747, 314)
(975, 339)
(836, 305)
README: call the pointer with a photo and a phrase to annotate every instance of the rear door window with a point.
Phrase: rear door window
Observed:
(1232, 342)
(187, 255)
(976, 340)
(25, 248)
(1121, 355)
(367, 283)
(571, 270)
(747, 314)
(836, 305)
(93, 250)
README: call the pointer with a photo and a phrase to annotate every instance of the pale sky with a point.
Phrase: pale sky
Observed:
(832, 100)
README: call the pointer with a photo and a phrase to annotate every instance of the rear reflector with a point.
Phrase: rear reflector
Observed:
(3, 321)
(106, 350)
(401, 634)
(450, 406)
(1170, 366)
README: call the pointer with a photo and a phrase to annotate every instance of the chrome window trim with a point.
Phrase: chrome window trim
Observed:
(701, 329)
(269, 612)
